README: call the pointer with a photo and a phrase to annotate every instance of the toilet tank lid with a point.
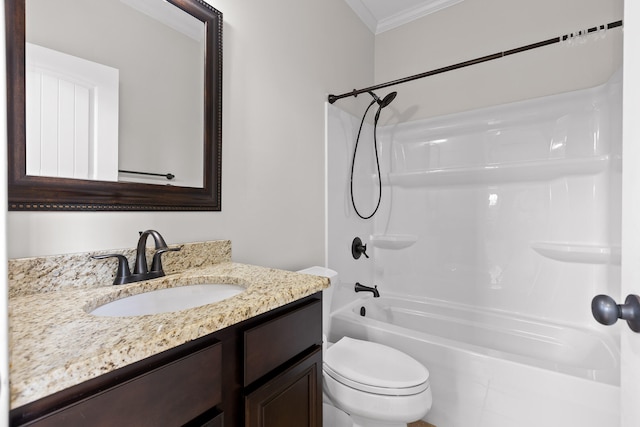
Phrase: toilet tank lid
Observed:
(320, 271)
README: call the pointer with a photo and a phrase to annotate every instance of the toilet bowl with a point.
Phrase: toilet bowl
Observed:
(334, 417)
(376, 385)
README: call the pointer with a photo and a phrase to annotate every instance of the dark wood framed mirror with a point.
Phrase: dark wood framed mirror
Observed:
(30, 192)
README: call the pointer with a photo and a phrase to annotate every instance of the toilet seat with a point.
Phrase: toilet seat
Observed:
(375, 368)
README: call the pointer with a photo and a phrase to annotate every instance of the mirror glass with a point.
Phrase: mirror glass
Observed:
(117, 104)
(140, 63)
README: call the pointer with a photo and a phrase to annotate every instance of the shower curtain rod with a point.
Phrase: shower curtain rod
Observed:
(334, 98)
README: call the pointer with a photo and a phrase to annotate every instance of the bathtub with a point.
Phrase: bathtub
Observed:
(491, 368)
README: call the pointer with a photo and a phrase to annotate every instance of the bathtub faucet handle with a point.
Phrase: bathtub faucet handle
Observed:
(357, 248)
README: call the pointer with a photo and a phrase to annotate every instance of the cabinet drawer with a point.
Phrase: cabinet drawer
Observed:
(170, 395)
(272, 343)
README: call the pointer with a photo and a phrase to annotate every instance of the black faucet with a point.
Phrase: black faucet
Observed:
(141, 270)
(363, 288)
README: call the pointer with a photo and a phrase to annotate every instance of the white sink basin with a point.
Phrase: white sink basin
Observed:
(169, 299)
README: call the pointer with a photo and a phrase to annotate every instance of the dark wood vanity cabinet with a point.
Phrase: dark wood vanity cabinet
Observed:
(283, 386)
(265, 371)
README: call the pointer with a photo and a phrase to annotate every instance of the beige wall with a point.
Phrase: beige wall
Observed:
(281, 59)
(476, 28)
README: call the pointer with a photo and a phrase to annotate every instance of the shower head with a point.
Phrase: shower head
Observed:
(384, 101)
(387, 99)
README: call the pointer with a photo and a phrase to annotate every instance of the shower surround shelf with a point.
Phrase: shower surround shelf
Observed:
(578, 253)
(393, 241)
(528, 171)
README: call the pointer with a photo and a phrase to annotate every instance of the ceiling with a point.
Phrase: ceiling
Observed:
(383, 15)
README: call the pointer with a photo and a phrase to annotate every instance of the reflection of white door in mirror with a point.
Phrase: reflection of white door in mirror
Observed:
(71, 117)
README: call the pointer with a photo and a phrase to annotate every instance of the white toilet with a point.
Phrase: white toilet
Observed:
(378, 386)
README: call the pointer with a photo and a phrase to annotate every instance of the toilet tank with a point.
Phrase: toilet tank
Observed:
(326, 293)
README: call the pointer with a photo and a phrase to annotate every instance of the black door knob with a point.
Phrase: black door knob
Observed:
(606, 311)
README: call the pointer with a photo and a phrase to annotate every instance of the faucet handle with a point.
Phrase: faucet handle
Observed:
(123, 274)
(357, 248)
(156, 264)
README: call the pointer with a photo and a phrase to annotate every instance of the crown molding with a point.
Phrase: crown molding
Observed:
(404, 16)
(364, 14)
(408, 15)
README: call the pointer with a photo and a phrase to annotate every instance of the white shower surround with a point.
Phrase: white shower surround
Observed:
(512, 209)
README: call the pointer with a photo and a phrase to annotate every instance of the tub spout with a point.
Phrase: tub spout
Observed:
(362, 288)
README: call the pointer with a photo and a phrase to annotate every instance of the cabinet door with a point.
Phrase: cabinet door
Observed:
(291, 399)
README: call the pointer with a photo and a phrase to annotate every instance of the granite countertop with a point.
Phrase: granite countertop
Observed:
(55, 343)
